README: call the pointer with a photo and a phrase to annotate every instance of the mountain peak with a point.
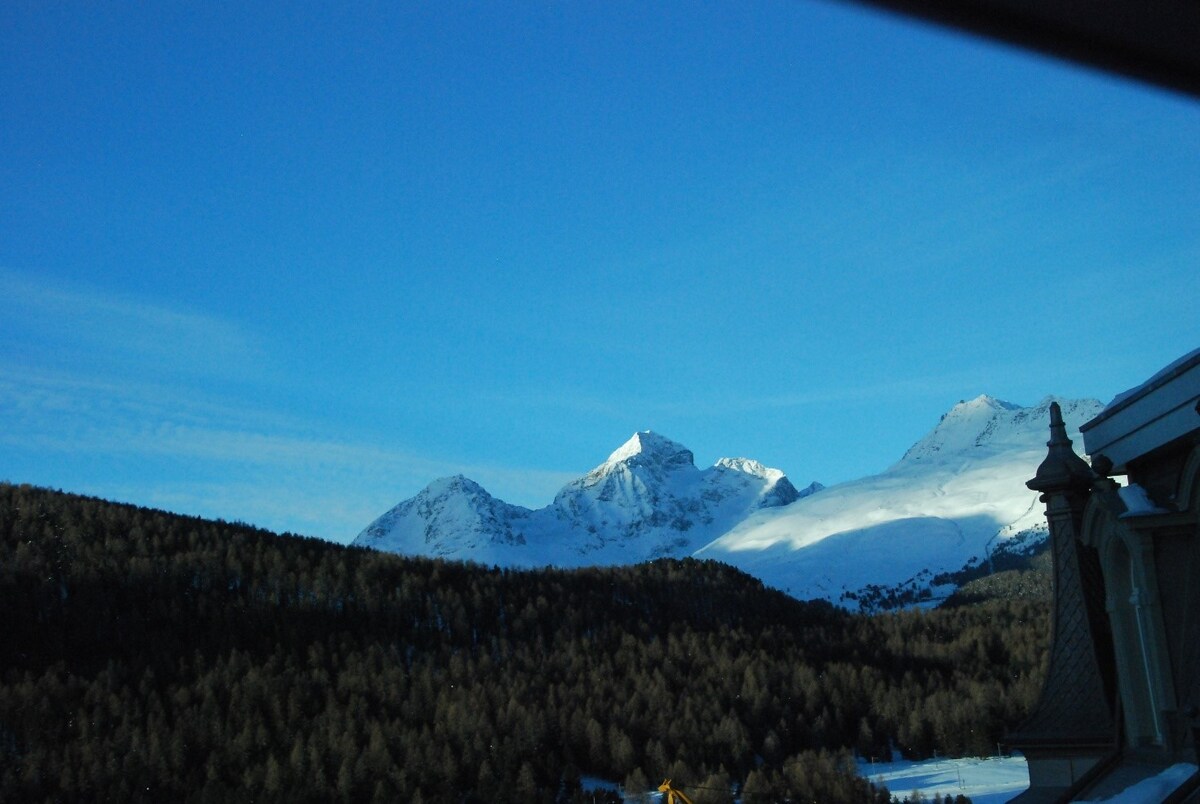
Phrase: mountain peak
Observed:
(750, 467)
(650, 447)
(450, 515)
(454, 484)
(983, 402)
(988, 424)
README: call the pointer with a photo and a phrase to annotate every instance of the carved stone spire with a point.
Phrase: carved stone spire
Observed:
(1075, 708)
(1062, 470)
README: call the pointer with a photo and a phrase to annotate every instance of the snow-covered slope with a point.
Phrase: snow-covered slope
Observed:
(452, 516)
(647, 500)
(954, 495)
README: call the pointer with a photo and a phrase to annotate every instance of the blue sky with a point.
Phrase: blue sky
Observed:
(287, 263)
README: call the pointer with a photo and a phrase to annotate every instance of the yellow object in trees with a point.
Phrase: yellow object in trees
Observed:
(673, 795)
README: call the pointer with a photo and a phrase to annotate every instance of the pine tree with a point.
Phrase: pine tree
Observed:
(637, 786)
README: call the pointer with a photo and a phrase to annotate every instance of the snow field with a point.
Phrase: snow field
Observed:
(990, 780)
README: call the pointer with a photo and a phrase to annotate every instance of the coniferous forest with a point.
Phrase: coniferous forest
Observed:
(150, 656)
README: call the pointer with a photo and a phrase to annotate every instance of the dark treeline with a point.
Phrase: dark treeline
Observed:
(158, 657)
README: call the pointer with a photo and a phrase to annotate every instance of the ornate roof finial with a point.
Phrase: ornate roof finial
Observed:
(1062, 470)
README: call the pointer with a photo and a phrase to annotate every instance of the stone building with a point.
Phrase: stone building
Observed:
(1121, 700)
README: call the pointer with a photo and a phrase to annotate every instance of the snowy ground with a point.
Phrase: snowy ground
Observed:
(995, 780)
(984, 781)
(991, 780)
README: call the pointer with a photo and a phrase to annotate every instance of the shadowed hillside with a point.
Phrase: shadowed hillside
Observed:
(163, 657)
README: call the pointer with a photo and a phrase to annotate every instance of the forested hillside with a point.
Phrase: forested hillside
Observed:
(158, 657)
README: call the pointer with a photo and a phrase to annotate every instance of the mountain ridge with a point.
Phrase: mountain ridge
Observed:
(646, 500)
(956, 494)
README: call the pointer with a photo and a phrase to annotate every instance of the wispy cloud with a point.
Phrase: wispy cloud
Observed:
(210, 456)
(66, 323)
(165, 396)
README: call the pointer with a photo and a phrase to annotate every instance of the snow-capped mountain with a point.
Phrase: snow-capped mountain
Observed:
(647, 500)
(452, 516)
(957, 494)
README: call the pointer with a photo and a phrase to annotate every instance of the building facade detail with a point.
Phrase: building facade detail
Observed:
(1121, 699)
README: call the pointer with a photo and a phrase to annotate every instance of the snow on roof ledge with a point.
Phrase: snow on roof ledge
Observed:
(1131, 395)
(1149, 416)
(1137, 502)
